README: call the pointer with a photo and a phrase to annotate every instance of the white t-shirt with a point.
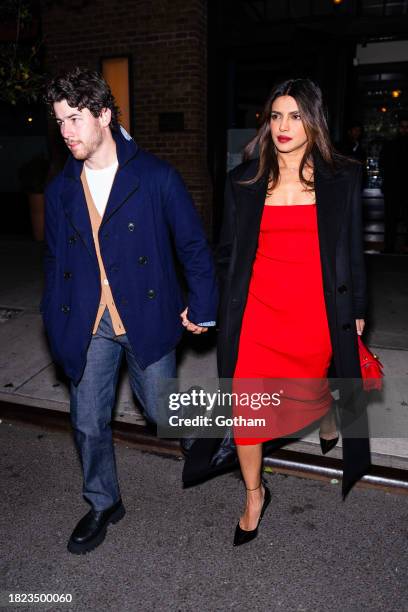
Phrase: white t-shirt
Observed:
(100, 185)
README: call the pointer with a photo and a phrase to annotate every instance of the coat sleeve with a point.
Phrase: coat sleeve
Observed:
(51, 232)
(192, 250)
(358, 271)
(225, 245)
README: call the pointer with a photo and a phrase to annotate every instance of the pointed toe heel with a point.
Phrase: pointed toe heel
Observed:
(327, 445)
(243, 536)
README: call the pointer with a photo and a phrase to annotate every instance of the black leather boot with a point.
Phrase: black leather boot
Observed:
(91, 529)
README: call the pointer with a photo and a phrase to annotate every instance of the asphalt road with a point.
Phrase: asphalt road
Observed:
(173, 550)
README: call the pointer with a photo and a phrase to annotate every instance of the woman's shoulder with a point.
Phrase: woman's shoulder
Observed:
(347, 167)
(341, 167)
(244, 171)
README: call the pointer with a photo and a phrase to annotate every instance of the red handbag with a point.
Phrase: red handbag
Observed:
(371, 368)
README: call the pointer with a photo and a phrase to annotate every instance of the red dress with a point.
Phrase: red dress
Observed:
(284, 331)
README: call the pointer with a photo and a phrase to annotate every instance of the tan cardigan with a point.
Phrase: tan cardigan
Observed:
(107, 300)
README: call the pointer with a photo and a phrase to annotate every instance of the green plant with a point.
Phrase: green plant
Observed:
(20, 9)
(21, 77)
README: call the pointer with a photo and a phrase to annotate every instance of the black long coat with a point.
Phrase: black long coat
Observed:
(339, 220)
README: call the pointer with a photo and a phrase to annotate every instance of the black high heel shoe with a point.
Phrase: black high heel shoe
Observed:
(327, 445)
(241, 535)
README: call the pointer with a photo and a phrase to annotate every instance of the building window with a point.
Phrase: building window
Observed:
(116, 72)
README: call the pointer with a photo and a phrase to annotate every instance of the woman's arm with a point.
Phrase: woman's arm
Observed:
(192, 250)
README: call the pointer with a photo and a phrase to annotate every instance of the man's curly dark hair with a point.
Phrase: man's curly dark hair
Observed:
(83, 88)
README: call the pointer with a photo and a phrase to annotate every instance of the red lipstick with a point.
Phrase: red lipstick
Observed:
(284, 138)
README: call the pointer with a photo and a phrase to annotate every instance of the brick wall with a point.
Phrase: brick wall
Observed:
(166, 40)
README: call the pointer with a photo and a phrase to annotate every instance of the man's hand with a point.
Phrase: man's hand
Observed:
(192, 327)
(360, 323)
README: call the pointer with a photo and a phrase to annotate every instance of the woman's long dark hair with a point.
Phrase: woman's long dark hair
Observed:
(310, 103)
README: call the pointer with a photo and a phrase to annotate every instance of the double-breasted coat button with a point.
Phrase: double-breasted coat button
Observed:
(143, 260)
(65, 309)
(131, 227)
(342, 289)
(151, 293)
(67, 275)
(347, 327)
(72, 239)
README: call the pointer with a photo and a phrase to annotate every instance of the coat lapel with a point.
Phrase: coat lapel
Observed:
(251, 199)
(124, 185)
(126, 181)
(331, 198)
(74, 203)
(75, 208)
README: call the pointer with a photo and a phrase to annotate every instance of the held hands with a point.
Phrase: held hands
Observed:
(192, 327)
(360, 323)
(197, 329)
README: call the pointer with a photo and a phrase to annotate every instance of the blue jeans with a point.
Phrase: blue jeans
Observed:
(92, 402)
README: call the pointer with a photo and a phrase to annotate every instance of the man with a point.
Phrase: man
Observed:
(351, 146)
(394, 166)
(113, 216)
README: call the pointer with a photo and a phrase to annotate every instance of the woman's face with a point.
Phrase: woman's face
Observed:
(288, 133)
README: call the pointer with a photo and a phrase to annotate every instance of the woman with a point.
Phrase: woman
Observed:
(291, 268)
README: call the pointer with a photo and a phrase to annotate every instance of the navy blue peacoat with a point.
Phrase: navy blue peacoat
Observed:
(149, 215)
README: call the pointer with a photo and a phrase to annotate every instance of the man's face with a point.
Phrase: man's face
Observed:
(355, 133)
(81, 131)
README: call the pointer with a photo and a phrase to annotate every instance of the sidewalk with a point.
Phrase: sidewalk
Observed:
(28, 376)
